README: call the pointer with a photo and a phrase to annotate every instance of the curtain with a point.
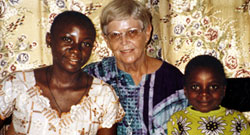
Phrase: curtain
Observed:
(182, 29)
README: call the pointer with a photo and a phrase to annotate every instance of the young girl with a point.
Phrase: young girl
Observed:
(61, 99)
(204, 86)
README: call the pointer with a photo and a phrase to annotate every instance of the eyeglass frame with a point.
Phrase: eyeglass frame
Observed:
(126, 33)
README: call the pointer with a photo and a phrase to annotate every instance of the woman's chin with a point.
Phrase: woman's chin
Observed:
(129, 61)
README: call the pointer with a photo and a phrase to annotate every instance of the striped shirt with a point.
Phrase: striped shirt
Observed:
(149, 105)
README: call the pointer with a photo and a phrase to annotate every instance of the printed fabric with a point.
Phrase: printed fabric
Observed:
(149, 105)
(218, 122)
(33, 115)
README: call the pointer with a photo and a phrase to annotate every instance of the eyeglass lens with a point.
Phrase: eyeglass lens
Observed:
(130, 34)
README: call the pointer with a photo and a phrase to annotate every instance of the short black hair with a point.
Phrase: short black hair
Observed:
(206, 61)
(73, 17)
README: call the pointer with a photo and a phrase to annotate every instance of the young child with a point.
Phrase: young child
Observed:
(204, 86)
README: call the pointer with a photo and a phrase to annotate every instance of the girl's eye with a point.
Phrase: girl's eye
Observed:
(66, 39)
(86, 44)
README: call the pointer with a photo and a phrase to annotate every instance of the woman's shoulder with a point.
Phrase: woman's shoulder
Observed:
(107, 61)
(154, 64)
(103, 69)
(170, 67)
(169, 70)
(163, 65)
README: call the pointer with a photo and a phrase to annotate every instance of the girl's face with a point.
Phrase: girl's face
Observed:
(71, 46)
(204, 89)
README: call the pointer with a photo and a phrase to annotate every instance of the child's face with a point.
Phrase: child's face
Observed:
(71, 45)
(204, 89)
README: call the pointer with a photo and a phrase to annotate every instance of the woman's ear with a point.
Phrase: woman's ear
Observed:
(48, 39)
(148, 33)
(106, 40)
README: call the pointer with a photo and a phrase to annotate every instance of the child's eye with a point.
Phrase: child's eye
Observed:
(86, 44)
(195, 87)
(67, 39)
(213, 87)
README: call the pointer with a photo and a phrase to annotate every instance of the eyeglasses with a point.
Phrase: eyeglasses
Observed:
(116, 36)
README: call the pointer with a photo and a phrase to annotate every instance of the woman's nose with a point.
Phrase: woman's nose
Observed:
(124, 39)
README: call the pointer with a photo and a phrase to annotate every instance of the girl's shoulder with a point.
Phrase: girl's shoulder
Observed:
(100, 88)
(20, 77)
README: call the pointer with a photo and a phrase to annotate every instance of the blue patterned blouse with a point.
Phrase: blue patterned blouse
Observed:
(150, 104)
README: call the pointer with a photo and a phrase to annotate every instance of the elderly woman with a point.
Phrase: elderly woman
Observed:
(150, 90)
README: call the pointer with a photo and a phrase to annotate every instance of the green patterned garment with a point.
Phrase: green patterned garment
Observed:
(219, 122)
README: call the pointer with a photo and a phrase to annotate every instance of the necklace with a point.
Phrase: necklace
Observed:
(57, 105)
(129, 129)
(54, 98)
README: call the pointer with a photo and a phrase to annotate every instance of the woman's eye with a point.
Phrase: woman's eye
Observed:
(69, 40)
(133, 32)
(114, 35)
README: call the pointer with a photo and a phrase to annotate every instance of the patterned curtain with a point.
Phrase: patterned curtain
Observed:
(182, 30)
(220, 28)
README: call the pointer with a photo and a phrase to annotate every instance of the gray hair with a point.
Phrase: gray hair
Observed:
(123, 9)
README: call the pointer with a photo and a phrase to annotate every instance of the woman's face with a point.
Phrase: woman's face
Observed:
(127, 39)
(71, 46)
(204, 89)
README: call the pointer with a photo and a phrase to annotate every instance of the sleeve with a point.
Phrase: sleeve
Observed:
(103, 69)
(7, 96)
(113, 111)
(90, 69)
(97, 70)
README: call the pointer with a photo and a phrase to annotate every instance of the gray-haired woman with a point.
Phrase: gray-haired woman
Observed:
(150, 89)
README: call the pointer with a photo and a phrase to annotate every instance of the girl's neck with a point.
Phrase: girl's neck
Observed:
(63, 79)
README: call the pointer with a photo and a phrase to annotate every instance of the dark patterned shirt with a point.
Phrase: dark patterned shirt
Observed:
(149, 105)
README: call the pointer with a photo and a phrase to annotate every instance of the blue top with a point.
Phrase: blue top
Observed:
(149, 105)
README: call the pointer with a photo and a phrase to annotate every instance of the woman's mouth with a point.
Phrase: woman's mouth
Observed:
(126, 51)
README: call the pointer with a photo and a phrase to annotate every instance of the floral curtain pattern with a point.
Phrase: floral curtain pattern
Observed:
(182, 30)
(220, 28)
